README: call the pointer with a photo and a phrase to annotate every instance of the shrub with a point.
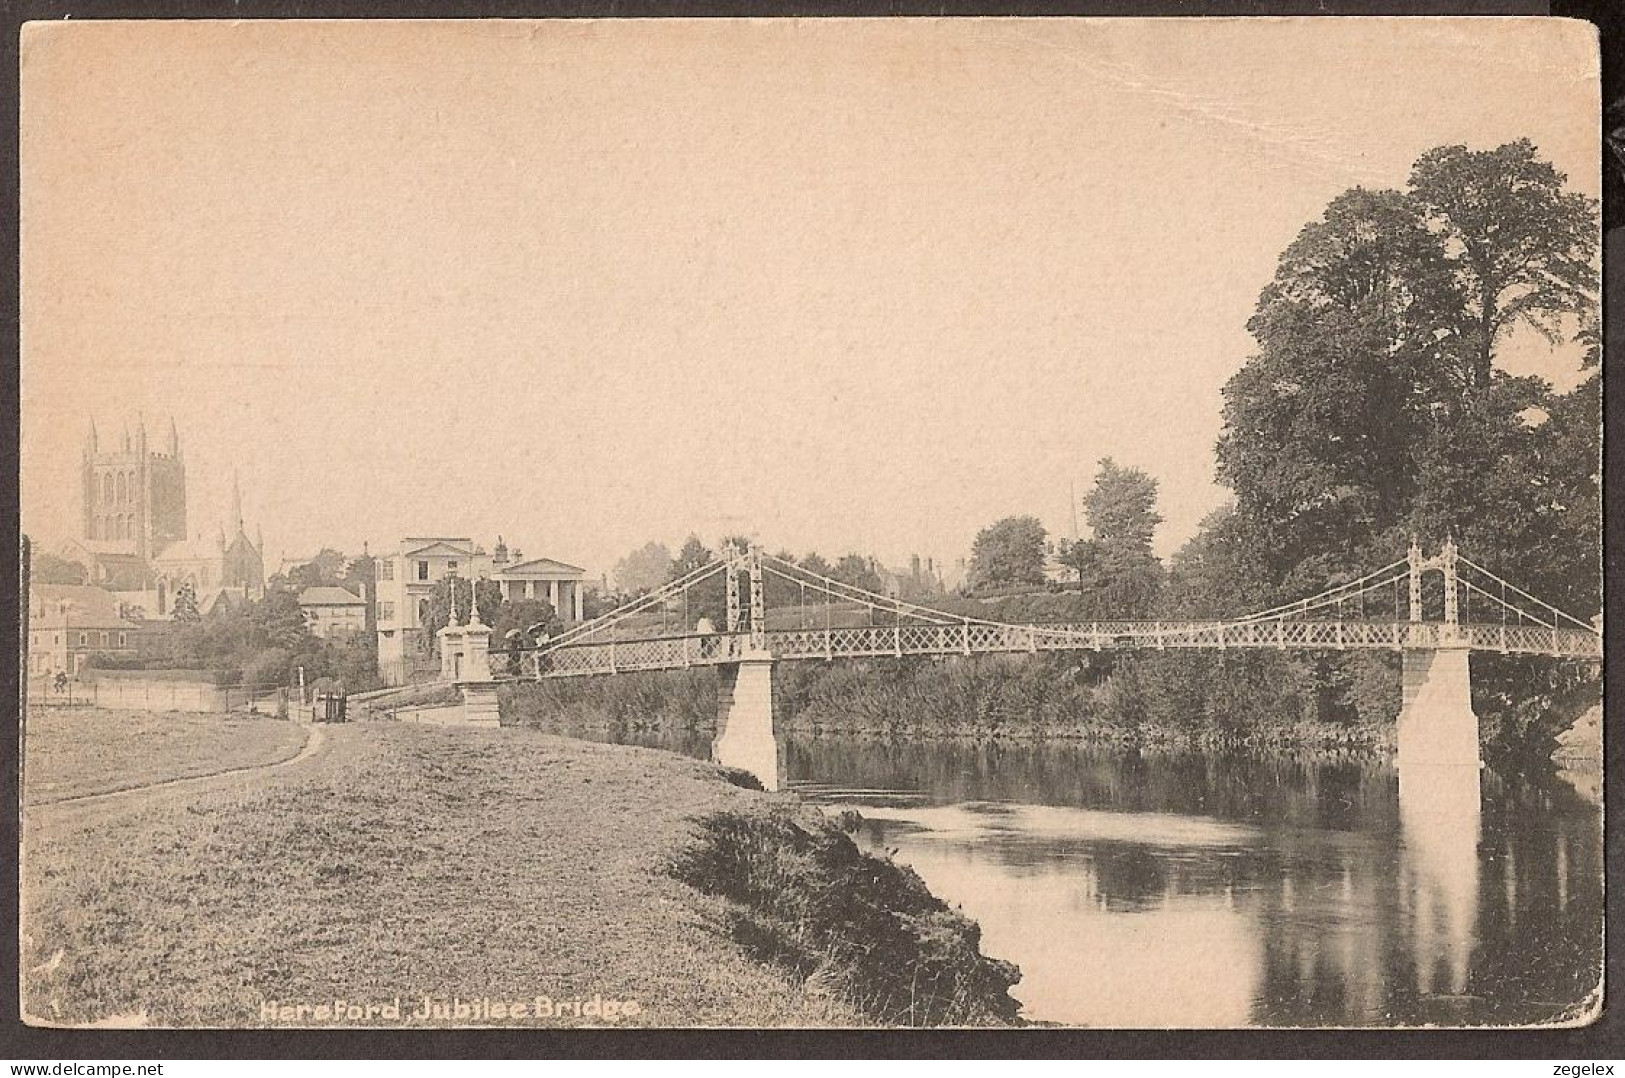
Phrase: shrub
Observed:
(810, 902)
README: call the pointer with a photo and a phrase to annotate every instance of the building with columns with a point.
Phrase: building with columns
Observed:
(408, 576)
(554, 582)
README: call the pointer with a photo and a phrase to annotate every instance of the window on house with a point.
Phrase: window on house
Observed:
(423, 570)
(123, 640)
(106, 638)
(387, 567)
(84, 639)
(386, 611)
(451, 567)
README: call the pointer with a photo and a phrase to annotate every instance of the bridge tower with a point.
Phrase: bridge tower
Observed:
(465, 662)
(745, 688)
(1437, 726)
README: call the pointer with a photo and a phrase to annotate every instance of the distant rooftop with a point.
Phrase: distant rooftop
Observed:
(329, 596)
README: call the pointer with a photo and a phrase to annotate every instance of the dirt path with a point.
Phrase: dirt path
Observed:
(86, 809)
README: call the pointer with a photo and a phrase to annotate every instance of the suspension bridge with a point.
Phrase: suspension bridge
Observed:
(1383, 610)
(1434, 611)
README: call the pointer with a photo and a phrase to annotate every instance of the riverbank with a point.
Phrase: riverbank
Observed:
(1001, 699)
(406, 863)
(1258, 701)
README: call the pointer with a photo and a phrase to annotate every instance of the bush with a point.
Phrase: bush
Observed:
(666, 700)
(810, 902)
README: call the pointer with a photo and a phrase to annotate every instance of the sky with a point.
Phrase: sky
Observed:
(842, 285)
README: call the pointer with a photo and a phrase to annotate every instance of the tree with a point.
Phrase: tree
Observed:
(1116, 569)
(692, 556)
(1219, 573)
(1122, 509)
(185, 611)
(1373, 408)
(644, 569)
(455, 589)
(50, 569)
(858, 571)
(278, 622)
(814, 563)
(1523, 250)
(1322, 422)
(1009, 552)
(326, 570)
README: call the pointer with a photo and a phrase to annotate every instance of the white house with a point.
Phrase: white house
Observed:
(407, 579)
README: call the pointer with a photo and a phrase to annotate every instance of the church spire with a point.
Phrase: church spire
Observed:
(90, 443)
(236, 503)
(174, 439)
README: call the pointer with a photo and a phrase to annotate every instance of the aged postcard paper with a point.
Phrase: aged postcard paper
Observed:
(923, 522)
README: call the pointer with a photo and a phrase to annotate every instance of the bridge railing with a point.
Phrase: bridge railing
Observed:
(621, 656)
(970, 638)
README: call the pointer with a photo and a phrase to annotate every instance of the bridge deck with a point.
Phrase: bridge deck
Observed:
(982, 638)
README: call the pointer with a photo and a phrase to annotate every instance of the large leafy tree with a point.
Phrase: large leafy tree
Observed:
(1321, 424)
(326, 570)
(1007, 553)
(1122, 509)
(1522, 249)
(1116, 567)
(1372, 408)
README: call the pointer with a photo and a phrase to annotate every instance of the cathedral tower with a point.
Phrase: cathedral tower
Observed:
(134, 494)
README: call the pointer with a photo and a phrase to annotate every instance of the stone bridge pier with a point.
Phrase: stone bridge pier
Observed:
(1437, 726)
(744, 737)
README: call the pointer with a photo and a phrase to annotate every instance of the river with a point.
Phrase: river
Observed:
(1179, 888)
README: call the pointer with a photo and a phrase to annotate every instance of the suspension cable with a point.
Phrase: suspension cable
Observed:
(841, 589)
(1352, 584)
(626, 610)
(1526, 595)
(1314, 602)
(1508, 606)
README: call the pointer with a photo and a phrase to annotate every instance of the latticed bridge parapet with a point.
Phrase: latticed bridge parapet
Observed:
(980, 638)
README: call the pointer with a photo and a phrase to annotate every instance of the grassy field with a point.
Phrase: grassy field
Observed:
(400, 862)
(71, 752)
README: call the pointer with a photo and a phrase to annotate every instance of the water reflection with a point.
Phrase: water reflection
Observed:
(1439, 809)
(1182, 888)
